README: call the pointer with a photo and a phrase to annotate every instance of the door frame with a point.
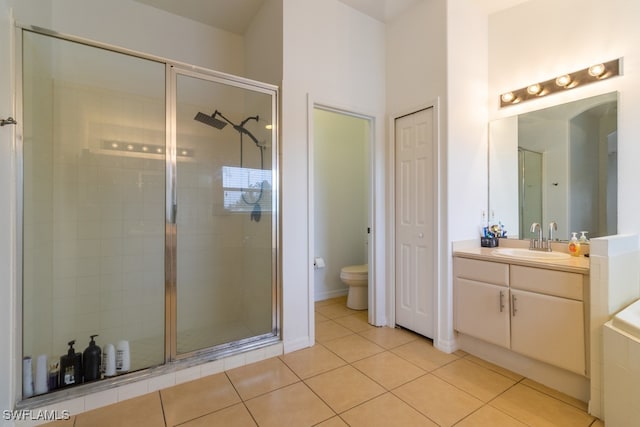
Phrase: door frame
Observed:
(376, 273)
(440, 210)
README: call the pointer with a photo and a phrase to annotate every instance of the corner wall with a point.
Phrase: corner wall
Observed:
(335, 56)
(467, 148)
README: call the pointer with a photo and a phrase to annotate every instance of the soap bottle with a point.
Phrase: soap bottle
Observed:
(123, 357)
(574, 245)
(109, 361)
(91, 361)
(70, 367)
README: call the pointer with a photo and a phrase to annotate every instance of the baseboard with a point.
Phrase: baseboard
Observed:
(297, 344)
(321, 296)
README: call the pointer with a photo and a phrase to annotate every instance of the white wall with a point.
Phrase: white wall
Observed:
(336, 56)
(467, 148)
(341, 188)
(525, 47)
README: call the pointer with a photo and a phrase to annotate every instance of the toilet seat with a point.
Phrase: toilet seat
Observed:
(355, 272)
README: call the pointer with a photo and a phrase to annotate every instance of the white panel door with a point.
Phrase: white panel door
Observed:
(415, 193)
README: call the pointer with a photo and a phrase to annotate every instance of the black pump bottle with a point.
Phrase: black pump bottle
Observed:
(71, 367)
(91, 360)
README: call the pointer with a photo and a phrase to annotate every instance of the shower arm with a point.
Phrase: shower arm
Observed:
(240, 128)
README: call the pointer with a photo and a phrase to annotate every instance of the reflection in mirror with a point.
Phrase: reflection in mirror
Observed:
(556, 164)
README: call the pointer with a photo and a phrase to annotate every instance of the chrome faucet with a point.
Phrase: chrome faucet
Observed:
(536, 244)
(553, 226)
(540, 244)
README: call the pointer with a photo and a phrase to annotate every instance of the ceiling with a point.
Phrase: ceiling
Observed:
(235, 16)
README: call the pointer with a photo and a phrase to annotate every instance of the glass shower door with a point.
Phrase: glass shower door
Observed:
(225, 213)
(93, 156)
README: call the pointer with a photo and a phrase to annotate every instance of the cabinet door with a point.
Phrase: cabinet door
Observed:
(547, 328)
(482, 311)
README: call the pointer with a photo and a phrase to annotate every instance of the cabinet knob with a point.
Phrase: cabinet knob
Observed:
(421, 235)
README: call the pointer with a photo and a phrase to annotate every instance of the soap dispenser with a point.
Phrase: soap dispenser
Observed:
(91, 360)
(574, 245)
(71, 367)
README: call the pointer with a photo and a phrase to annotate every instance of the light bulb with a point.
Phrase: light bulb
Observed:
(508, 97)
(597, 70)
(563, 81)
(534, 89)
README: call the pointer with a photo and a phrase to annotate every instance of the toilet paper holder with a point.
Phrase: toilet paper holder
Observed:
(318, 263)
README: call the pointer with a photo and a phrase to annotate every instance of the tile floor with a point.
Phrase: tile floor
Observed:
(356, 375)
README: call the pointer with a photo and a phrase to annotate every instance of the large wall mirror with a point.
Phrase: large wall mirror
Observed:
(556, 164)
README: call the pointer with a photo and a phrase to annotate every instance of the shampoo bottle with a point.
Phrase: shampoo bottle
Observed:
(71, 367)
(574, 245)
(91, 361)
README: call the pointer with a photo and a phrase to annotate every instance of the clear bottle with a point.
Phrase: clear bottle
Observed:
(583, 237)
(574, 245)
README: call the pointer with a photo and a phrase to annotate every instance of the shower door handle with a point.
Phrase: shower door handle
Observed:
(174, 212)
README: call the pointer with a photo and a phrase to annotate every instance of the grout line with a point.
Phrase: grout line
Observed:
(164, 415)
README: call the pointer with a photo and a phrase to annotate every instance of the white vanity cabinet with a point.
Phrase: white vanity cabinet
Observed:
(481, 306)
(547, 316)
(533, 311)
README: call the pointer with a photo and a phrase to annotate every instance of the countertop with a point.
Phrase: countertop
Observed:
(574, 264)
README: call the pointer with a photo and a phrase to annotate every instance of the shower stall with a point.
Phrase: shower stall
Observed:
(148, 207)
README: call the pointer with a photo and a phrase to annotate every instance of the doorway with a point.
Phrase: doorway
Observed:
(342, 205)
(416, 221)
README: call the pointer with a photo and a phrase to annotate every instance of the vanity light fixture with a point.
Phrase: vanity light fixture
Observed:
(564, 82)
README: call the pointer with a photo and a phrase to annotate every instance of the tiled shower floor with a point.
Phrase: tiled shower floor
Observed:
(356, 375)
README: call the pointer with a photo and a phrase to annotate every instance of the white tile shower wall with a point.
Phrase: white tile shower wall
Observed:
(615, 283)
(622, 373)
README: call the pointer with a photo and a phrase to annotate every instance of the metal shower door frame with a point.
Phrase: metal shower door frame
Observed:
(171, 209)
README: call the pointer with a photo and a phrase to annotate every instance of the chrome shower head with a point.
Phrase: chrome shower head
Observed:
(210, 120)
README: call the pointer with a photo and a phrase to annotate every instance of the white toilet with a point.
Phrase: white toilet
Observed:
(357, 278)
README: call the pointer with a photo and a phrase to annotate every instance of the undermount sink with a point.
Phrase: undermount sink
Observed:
(522, 253)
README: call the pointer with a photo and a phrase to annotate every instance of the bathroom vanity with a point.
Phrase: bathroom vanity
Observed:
(527, 313)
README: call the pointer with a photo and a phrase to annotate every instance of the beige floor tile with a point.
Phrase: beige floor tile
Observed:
(233, 416)
(194, 399)
(489, 416)
(344, 388)
(499, 369)
(355, 322)
(597, 423)
(333, 422)
(320, 317)
(476, 380)
(558, 395)
(337, 300)
(261, 377)
(438, 400)
(388, 369)
(61, 423)
(141, 411)
(353, 347)
(424, 355)
(330, 330)
(384, 411)
(535, 408)
(294, 405)
(312, 361)
(335, 310)
(389, 337)
(460, 353)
